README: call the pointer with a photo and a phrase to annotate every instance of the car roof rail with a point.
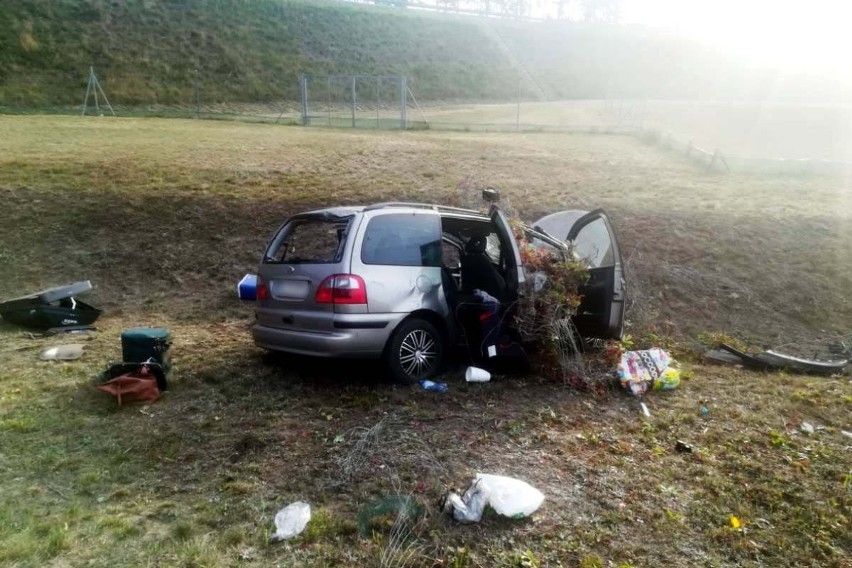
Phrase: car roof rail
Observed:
(421, 206)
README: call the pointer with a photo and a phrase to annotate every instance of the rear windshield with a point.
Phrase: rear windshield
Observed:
(309, 241)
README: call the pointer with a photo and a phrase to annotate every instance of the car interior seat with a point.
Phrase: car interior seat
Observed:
(478, 272)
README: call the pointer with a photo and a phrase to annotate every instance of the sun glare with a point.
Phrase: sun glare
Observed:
(803, 36)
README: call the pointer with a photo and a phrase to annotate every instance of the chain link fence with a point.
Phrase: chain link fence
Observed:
(354, 101)
(389, 102)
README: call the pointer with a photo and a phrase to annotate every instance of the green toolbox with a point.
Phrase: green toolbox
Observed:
(140, 344)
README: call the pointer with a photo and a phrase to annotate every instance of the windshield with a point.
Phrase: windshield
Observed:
(309, 241)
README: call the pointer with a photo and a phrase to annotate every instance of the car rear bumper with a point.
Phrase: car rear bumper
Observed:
(353, 336)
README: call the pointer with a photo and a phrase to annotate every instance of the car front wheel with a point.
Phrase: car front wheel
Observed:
(415, 351)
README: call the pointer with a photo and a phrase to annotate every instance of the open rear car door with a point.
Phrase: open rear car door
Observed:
(592, 239)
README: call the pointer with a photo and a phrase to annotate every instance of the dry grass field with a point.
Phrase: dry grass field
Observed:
(751, 130)
(164, 216)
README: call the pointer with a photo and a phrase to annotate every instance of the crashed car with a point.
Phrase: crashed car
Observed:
(385, 280)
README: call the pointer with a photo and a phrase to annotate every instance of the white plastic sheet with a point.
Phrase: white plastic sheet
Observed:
(508, 496)
(291, 520)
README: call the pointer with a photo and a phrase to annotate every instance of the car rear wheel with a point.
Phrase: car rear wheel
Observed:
(415, 351)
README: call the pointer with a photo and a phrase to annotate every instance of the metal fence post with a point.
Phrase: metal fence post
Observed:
(303, 90)
(354, 79)
(403, 99)
(197, 95)
(518, 114)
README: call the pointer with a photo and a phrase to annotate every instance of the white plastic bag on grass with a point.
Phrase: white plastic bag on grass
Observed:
(291, 520)
(511, 497)
(469, 507)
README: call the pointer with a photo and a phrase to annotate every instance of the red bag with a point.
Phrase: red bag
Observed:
(138, 386)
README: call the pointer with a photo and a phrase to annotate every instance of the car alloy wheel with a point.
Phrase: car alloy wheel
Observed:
(418, 353)
(415, 351)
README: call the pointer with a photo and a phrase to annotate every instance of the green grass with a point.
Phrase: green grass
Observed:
(165, 216)
(146, 54)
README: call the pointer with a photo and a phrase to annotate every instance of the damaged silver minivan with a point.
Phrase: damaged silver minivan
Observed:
(385, 280)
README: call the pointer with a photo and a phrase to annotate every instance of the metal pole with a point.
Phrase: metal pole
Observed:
(378, 101)
(518, 114)
(420, 110)
(328, 92)
(403, 99)
(197, 95)
(97, 106)
(353, 101)
(303, 92)
(103, 94)
(88, 89)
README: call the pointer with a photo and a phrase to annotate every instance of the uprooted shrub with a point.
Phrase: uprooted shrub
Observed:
(543, 315)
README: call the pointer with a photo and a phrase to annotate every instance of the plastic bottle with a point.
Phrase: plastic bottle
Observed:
(432, 386)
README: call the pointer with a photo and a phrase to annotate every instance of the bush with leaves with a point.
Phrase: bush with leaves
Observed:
(543, 315)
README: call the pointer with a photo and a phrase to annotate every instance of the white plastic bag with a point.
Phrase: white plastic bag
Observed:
(469, 507)
(291, 520)
(511, 497)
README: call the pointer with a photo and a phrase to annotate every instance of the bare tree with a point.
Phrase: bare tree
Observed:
(608, 11)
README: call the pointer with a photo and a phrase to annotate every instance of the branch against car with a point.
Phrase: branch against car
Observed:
(543, 313)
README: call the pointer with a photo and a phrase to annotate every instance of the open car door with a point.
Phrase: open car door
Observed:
(509, 250)
(593, 241)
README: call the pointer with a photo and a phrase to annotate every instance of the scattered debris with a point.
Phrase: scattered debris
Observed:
(736, 524)
(139, 385)
(469, 507)
(51, 308)
(645, 410)
(477, 375)
(432, 386)
(512, 497)
(508, 496)
(407, 507)
(704, 411)
(69, 352)
(807, 428)
(142, 344)
(640, 371)
(291, 520)
(118, 369)
(683, 447)
(71, 330)
(247, 288)
(769, 360)
(847, 434)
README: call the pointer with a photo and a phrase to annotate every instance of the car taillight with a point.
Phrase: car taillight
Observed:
(262, 292)
(342, 289)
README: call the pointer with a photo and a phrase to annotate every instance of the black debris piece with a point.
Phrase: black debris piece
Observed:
(52, 308)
